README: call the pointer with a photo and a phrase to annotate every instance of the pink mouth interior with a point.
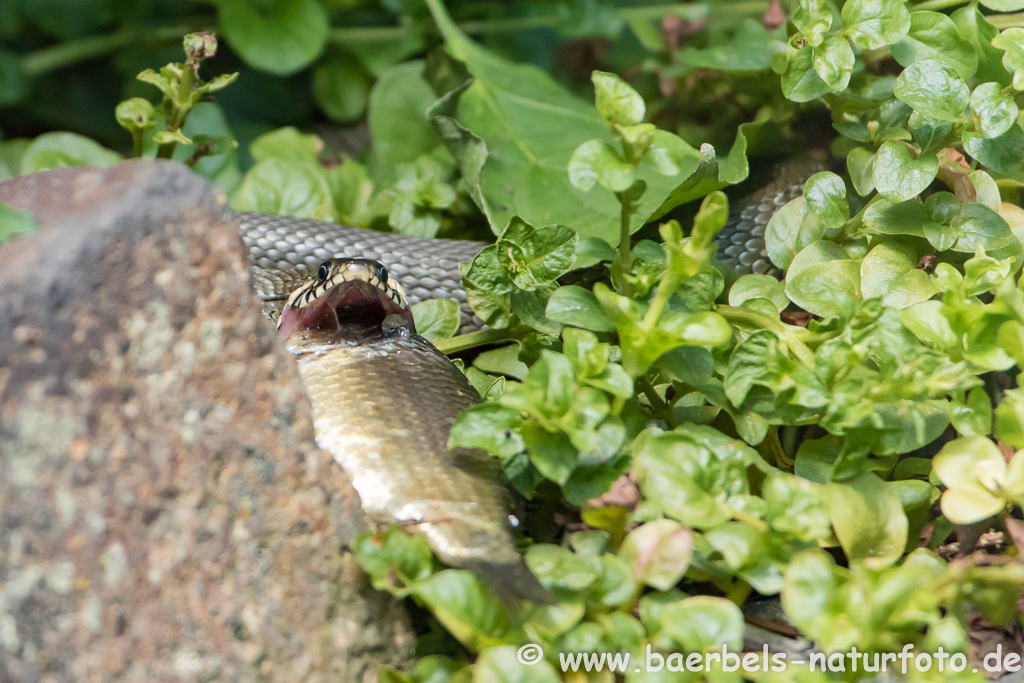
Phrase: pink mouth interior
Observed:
(350, 309)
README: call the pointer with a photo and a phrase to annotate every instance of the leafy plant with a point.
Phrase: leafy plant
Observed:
(674, 427)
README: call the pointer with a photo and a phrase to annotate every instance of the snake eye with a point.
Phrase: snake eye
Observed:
(383, 274)
(323, 271)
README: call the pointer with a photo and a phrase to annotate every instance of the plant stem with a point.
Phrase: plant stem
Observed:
(657, 404)
(1002, 21)
(74, 51)
(473, 339)
(783, 331)
(624, 256)
(937, 4)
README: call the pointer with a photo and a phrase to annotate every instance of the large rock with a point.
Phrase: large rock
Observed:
(164, 512)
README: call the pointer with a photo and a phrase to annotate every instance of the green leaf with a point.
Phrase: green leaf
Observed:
(868, 519)
(57, 150)
(488, 287)
(890, 271)
(691, 475)
(397, 120)
(704, 623)
(283, 186)
(750, 49)
(790, 230)
(574, 305)
(994, 111)
(597, 162)
(470, 612)
(820, 288)
(341, 89)
(534, 257)
(530, 126)
(659, 553)
(1002, 154)
(933, 89)
(287, 143)
(276, 36)
(502, 664)
(860, 162)
(1011, 40)
(1004, 5)
(833, 62)
(490, 426)
(617, 102)
(871, 24)
(394, 560)
(14, 223)
(1010, 418)
(135, 114)
(934, 36)
(559, 568)
(898, 176)
(758, 286)
(437, 318)
(825, 194)
(800, 80)
(971, 24)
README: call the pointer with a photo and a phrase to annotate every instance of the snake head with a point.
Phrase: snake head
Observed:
(349, 299)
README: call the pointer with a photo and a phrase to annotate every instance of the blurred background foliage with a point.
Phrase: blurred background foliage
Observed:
(314, 64)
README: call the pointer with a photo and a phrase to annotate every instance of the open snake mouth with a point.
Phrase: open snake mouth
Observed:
(348, 299)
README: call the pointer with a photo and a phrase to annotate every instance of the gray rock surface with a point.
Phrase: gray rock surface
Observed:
(164, 512)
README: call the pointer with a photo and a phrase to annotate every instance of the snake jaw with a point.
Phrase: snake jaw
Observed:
(350, 300)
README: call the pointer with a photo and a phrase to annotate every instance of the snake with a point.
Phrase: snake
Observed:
(384, 398)
(286, 251)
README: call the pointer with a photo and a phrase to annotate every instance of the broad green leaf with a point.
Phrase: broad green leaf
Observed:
(1011, 41)
(597, 162)
(286, 187)
(658, 552)
(534, 257)
(559, 568)
(933, 89)
(871, 24)
(791, 229)
(506, 664)
(800, 80)
(868, 519)
(808, 587)
(898, 176)
(57, 150)
(437, 318)
(531, 126)
(758, 286)
(971, 24)
(397, 118)
(860, 163)
(833, 61)
(1004, 5)
(490, 426)
(617, 102)
(286, 143)
(934, 36)
(820, 288)
(994, 111)
(1002, 154)
(704, 623)
(749, 50)
(341, 89)
(825, 194)
(277, 36)
(470, 612)
(577, 306)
